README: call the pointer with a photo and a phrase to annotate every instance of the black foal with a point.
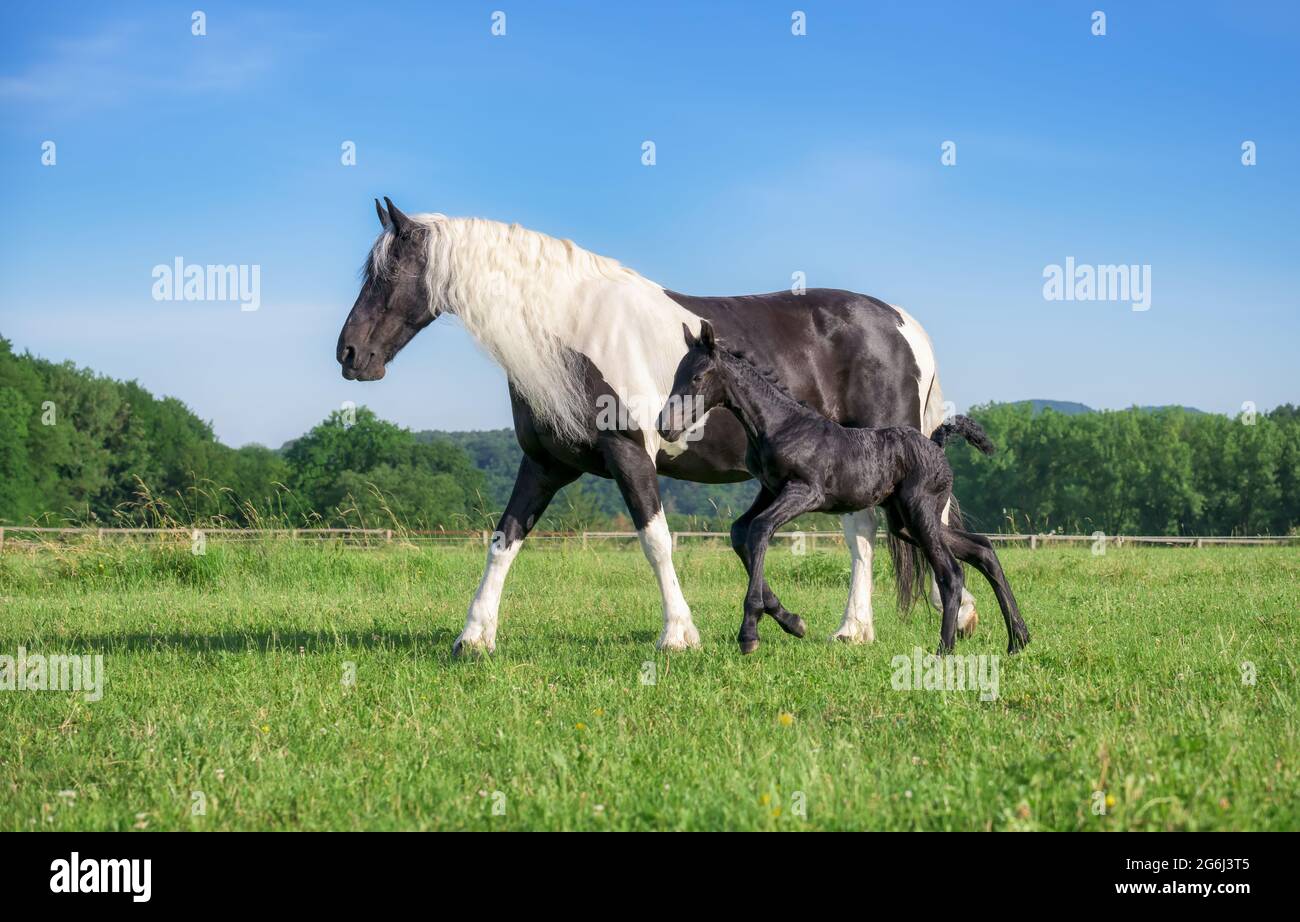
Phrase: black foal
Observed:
(808, 463)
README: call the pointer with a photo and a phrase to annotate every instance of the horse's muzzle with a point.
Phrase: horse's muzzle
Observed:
(365, 366)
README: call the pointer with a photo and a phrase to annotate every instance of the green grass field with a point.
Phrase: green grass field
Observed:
(226, 674)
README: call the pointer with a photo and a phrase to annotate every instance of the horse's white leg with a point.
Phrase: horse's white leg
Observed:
(679, 631)
(535, 484)
(480, 634)
(967, 618)
(860, 535)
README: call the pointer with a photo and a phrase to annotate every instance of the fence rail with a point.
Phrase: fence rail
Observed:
(367, 537)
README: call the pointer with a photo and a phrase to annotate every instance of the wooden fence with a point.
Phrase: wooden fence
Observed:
(28, 536)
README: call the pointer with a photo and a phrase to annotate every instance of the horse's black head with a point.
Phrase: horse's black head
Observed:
(697, 385)
(394, 303)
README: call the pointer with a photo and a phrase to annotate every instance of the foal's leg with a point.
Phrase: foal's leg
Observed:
(789, 621)
(860, 535)
(793, 500)
(535, 485)
(977, 551)
(925, 525)
(967, 618)
(638, 481)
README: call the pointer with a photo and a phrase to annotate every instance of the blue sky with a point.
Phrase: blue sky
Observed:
(775, 153)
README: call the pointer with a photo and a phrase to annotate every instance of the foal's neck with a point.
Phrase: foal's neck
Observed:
(761, 405)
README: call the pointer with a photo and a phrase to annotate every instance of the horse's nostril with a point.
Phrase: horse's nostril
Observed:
(349, 356)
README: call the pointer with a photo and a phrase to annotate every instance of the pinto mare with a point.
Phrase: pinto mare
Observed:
(578, 334)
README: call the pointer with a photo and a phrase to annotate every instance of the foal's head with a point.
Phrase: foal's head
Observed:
(698, 385)
(395, 302)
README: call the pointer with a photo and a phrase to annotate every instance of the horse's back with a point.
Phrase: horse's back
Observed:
(855, 358)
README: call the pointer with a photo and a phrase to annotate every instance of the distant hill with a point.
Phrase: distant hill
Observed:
(1068, 407)
(1073, 408)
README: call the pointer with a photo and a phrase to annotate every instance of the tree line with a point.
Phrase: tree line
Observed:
(81, 448)
(76, 447)
(1165, 471)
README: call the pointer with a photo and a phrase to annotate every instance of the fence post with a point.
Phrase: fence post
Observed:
(584, 540)
(1033, 542)
(2, 539)
(388, 536)
(486, 539)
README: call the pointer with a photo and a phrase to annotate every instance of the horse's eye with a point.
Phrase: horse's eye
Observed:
(697, 379)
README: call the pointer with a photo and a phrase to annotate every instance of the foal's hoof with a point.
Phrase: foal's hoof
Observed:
(748, 646)
(1018, 642)
(968, 629)
(790, 622)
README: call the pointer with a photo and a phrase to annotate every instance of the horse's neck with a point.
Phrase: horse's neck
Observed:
(761, 405)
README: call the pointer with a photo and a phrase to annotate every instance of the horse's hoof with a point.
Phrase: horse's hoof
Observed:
(851, 636)
(748, 646)
(1018, 643)
(471, 649)
(968, 629)
(678, 637)
(790, 623)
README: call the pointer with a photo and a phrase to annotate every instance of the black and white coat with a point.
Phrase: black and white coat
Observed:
(576, 333)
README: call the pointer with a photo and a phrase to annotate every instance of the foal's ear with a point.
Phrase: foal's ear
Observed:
(690, 337)
(706, 336)
(383, 215)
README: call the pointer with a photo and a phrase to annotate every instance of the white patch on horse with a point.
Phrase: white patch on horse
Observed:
(633, 334)
(481, 623)
(927, 381)
(692, 433)
(858, 625)
(679, 631)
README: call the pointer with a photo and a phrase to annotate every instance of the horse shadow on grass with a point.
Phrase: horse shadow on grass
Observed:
(434, 643)
(265, 641)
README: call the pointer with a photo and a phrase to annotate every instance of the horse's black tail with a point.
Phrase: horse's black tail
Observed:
(968, 429)
(910, 566)
(909, 573)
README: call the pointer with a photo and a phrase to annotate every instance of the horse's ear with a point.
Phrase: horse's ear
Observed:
(690, 337)
(383, 215)
(396, 218)
(707, 339)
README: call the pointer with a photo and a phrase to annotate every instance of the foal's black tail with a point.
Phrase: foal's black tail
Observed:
(968, 429)
(910, 566)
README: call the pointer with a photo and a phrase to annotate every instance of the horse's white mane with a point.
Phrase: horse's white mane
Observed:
(516, 292)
